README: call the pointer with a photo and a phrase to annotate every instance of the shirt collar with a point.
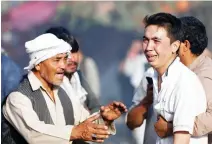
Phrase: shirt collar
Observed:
(195, 63)
(170, 70)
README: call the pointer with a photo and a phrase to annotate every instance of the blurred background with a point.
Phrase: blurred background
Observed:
(107, 32)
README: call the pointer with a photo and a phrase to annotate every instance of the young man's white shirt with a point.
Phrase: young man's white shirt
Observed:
(180, 99)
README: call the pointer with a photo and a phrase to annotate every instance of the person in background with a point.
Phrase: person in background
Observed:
(89, 69)
(11, 75)
(77, 80)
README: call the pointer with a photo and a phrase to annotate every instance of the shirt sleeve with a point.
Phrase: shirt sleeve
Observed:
(185, 106)
(19, 112)
(140, 92)
(203, 121)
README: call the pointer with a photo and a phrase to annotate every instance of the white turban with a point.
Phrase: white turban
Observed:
(44, 47)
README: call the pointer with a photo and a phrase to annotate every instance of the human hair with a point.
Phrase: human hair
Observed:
(167, 21)
(64, 34)
(194, 31)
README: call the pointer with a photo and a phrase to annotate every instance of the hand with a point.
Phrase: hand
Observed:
(86, 129)
(149, 96)
(163, 128)
(112, 111)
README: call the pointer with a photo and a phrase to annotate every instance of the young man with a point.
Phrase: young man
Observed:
(191, 54)
(74, 76)
(42, 112)
(176, 90)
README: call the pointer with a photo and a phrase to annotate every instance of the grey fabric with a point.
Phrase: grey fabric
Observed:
(150, 135)
(9, 133)
(91, 100)
(40, 106)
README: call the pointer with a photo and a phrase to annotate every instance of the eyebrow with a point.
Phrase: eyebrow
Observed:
(153, 38)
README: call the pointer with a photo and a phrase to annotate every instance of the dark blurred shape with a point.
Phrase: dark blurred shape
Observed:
(11, 75)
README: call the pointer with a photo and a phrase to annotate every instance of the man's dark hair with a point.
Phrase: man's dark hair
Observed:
(194, 31)
(64, 34)
(170, 22)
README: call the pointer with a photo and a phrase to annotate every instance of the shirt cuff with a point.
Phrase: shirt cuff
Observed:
(183, 128)
(67, 132)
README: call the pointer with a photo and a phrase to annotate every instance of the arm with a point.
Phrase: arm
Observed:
(19, 112)
(202, 123)
(185, 109)
(137, 114)
(181, 137)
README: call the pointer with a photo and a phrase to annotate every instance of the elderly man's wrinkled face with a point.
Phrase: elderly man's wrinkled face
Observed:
(52, 70)
(72, 63)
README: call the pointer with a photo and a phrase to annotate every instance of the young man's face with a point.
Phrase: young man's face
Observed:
(72, 63)
(157, 46)
(52, 70)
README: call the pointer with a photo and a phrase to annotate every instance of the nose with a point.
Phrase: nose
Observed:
(63, 63)
(74, 58)
(149, 46)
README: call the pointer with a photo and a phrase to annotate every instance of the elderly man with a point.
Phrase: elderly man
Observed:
(74, 81)
(42, 112)
(192, 54)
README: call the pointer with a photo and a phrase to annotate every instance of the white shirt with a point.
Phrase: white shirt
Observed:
(76, 89)
(180, 99)
(19, 112)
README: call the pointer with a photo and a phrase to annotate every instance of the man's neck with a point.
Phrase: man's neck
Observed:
(164, 68)
(47, 86)
(190, 59)
(69, 75)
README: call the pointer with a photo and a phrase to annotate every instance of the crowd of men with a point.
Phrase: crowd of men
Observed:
(54, 104)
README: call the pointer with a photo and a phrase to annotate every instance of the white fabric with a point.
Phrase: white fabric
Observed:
(43, 47)
(180, 99)
(76, 100)
(80, 91)
(19, 112)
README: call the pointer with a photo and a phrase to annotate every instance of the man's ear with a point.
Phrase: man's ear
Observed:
(37, 67)
(187, 46)
(175, 46)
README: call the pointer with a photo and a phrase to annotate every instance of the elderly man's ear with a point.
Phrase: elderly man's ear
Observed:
(37, 67)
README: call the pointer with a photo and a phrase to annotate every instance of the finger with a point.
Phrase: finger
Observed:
(98, 140)
(93, 118)
(100, 132)
(99, 126)
(98, 136)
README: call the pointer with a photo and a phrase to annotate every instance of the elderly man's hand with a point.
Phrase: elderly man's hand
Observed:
(163, 128)
(89, 131)
(112, 111)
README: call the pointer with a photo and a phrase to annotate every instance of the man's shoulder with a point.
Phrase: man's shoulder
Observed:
(204, 69)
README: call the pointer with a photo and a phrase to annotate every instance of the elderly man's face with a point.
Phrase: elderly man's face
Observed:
(72, 63)
(52, 70)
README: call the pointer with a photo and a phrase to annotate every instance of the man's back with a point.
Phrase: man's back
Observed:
(202, 67)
